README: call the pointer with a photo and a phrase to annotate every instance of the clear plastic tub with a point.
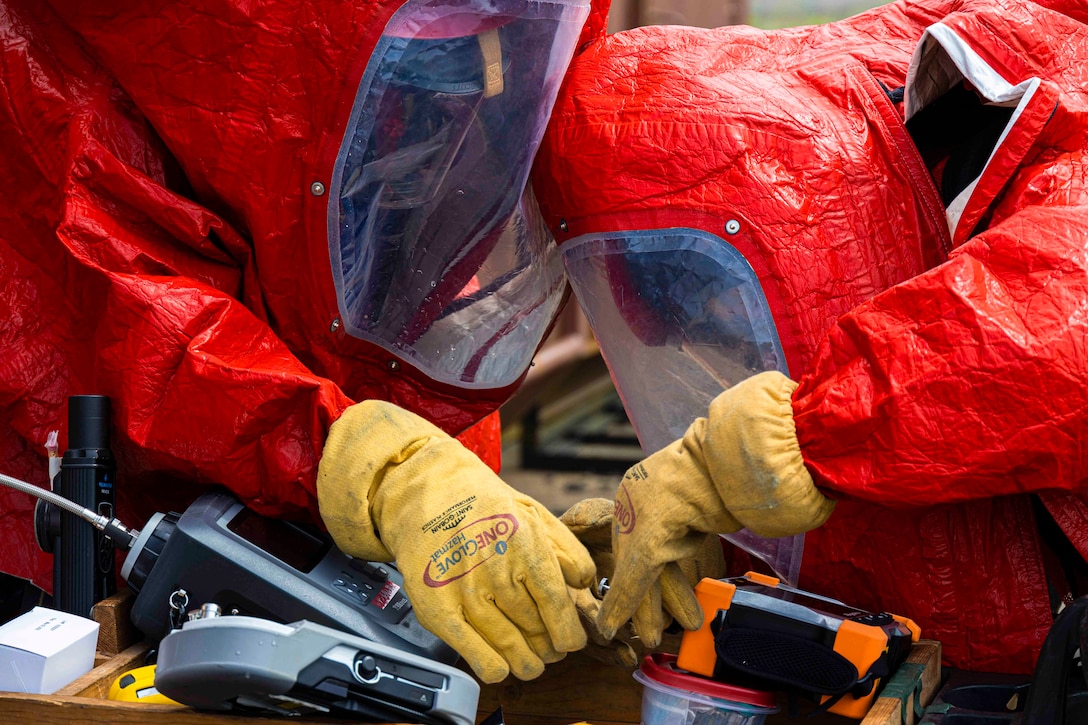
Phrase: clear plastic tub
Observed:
(675, 697)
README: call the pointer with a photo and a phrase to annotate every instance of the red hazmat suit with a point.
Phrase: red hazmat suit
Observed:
(164, 241)
(928, 293)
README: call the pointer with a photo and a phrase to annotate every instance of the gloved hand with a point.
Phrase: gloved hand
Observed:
(740, 467)
(486, 567)
(591, 521)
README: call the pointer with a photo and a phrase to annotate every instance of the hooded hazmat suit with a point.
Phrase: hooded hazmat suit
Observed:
(737, 200)
(238, 219)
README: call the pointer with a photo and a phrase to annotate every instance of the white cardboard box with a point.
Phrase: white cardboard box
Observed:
(43, 650)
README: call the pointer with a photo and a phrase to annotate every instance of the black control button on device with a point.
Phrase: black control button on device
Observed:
(366, 668)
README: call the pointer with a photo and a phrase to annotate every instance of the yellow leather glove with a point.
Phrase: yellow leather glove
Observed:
(485, 567)
(740, 467)
(591, 521)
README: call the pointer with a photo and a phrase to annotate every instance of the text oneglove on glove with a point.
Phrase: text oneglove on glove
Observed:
(486, 567)
(740, 467)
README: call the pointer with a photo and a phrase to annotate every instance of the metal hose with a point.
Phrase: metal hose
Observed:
(121, 535)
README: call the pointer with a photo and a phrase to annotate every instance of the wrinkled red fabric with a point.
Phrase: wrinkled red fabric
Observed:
(941, 376)
(160, 244)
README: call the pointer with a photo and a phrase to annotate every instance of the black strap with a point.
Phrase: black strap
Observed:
(1055, 669)
(795, 664)
(784, 659)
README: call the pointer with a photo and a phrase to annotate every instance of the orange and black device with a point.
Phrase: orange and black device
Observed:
(758, 630)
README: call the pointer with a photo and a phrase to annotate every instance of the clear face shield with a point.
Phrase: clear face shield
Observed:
(437, 247)
(680, 316)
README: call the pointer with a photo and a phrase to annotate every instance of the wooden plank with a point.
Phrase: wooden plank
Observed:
(889, 710)
(115, 629)
(574, 689)
(885, 711)
(928, 653)
(56, 710)
(96, 683)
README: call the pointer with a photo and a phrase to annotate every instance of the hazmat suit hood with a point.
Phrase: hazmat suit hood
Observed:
(730, 249)
(758, 169)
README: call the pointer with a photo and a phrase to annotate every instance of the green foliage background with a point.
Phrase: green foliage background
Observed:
(791, 13)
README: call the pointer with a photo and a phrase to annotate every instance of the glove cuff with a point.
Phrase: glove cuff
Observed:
(347, 478)
(754, 459)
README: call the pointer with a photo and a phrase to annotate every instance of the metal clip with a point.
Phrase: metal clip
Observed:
(179, 600)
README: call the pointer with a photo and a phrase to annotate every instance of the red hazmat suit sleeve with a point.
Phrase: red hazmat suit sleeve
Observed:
(115, 284)
(1075, 9)
(964, 382)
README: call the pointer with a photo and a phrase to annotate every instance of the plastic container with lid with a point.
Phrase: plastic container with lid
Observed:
(673, 697)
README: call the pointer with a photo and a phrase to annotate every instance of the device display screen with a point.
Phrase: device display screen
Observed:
(281, 539)
(816, 604)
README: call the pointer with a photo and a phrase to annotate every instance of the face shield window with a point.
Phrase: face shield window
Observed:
(679, 315)
(437, 247)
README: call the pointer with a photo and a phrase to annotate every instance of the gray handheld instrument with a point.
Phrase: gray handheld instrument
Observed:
(220, 551)
(248, 664)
